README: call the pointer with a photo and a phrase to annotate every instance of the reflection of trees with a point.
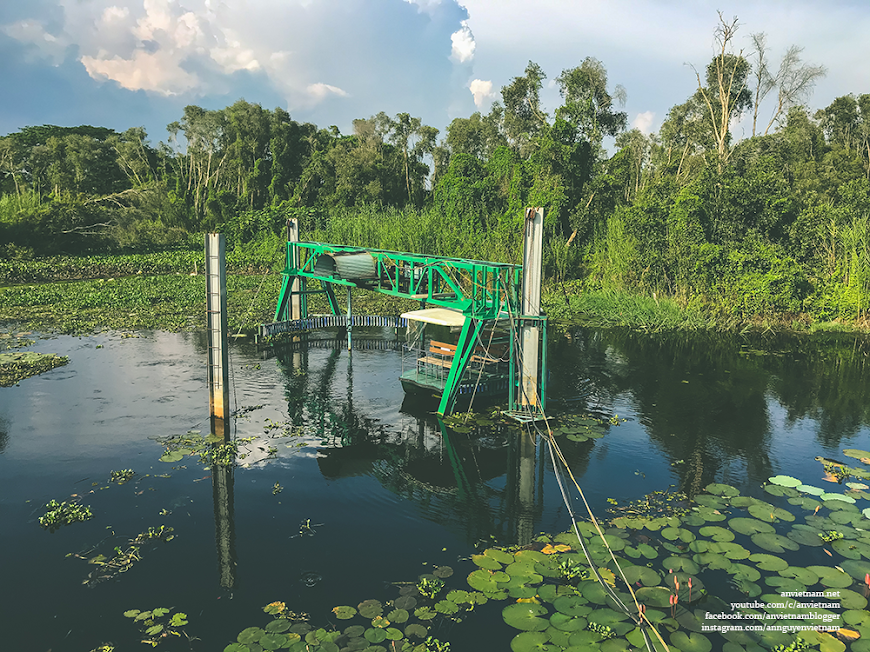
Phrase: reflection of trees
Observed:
(703, 397)
(4, 435)
(699, 399)
(823, 377)
(483, 481)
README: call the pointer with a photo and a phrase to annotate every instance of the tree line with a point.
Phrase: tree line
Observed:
(776, 222)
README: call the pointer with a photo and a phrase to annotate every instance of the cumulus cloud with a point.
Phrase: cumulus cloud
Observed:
(308, 51)
(463, 43)
(643, 122)
(320, 91)
(482, 90)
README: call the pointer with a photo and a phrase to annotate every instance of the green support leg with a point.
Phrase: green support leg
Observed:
(330, 297)
(283, 300)
(470, 332)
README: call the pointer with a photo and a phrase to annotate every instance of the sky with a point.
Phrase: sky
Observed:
(131, 63)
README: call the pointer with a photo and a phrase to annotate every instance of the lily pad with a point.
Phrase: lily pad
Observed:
(856, 453)
(750, 526)
(375, 635)
(370, 609)
(773, 542)
(768, 562)
(572, 605)
(526, 616)
(643, 574)
(343, 613)
(691, 642)
(499, 555)
(280, 625)
(654, 596)
(831, 577)
(802, 575)
(830, 496)
(273, 641)
(416, 630)
(809, 489)
(250, 635)
(528, 641)
(785, 481)
(716, 533)
(770, 514)
(856, 568)
(399, 616)
(721, 489)
(681, 564)
(566, 623)
(485, 561)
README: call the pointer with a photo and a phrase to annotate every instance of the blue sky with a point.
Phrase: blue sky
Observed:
(125, 63)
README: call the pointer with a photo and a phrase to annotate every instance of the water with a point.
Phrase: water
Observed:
(387, 497)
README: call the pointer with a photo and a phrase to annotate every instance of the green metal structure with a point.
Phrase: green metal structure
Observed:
(483, 292)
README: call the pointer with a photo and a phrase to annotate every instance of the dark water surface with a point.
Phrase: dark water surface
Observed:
(388, 497)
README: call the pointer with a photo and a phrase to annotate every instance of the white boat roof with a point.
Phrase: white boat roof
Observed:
(440, 316)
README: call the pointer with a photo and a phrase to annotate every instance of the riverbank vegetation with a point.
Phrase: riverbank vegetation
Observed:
(690, 227)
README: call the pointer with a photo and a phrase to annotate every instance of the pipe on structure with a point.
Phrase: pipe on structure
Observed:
(218, 356)
(533, 243)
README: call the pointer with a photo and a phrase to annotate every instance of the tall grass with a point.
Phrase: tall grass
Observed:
(423, 231)
(11, 205)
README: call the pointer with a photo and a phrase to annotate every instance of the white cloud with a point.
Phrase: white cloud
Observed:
(481, 90)
(463, 43)
(320, 91)
(150, 71)
(643, 122)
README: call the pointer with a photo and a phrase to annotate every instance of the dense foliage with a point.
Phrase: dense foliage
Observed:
(778, 223)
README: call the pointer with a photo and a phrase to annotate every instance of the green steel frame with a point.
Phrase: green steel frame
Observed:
(480, 290)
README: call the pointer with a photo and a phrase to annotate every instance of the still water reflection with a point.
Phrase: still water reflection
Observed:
(395, 490)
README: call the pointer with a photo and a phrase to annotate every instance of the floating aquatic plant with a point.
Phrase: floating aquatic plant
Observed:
(58, 514)
(155, 625)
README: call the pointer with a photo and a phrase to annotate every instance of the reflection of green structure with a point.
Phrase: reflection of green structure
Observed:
(480, 292)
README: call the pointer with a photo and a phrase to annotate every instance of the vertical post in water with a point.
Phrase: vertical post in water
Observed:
(349, 319)
(533, 242)
(295, 288)
(218, 357)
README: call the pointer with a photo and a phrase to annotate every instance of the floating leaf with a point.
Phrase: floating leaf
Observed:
(280, 625)
(446, 607)
(802, 575)
(250, 635)
(425, 613)
(808, 489)
(405, 602)
(856, 453)
(773, 542)
(525, 616)
(750, 526)
(528, 641)
(768, 562)
(654, 596)
(394, 634)
(272, 641)
(344, 613)
(681, 564)
(691, 642)
(486, 562)
(370, 609)
(380, 621)
(572, 605)
(375, 635)
(354, 631)
(398, 616)
(830, 496)
(443, 572)
(768, 513)
(716, 533)
(500, 555)
(567, 623)
(644, 575)
(721, 489)
(784, 481)
(416, 630)
(831, 577)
